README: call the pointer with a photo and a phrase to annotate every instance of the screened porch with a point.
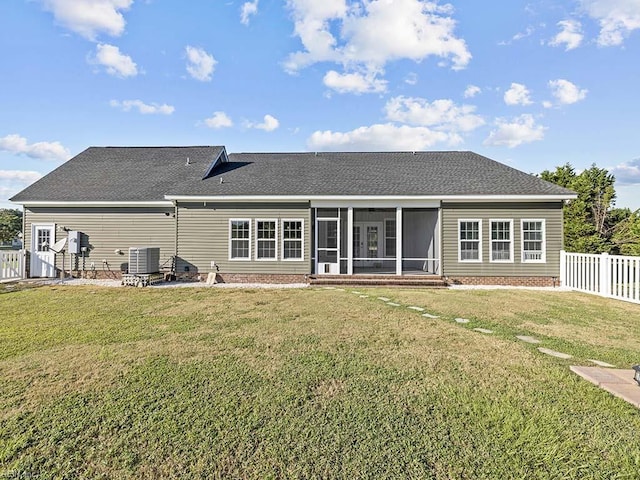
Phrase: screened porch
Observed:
(390, 241)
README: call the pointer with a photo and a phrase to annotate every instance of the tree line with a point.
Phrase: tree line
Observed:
(591, 222)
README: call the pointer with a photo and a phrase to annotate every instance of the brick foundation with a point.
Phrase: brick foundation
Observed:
(506, 281)
(260, 278)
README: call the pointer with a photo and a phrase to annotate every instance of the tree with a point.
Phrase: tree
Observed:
(587, 219)
(10, 224)
(626, 237)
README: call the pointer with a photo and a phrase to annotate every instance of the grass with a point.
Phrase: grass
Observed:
(314, 383)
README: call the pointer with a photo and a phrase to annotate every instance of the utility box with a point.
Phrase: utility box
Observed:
(74, 242)
(144, 260)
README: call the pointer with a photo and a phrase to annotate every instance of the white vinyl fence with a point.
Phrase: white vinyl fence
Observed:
(613, 276)
(12, 264)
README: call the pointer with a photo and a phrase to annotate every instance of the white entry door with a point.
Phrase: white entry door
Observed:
(367, 241)
(43, 260)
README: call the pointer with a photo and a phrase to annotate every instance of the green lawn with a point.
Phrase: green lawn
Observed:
(314, 383)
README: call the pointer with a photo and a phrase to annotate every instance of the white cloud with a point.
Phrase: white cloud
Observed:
(471, 91)
(248, 9)
(90, 17)
(380, 137)
(115, 62)
(269, 124)
(20, 176)
(18, 145)
(518, 94)
(354, 82)
(627, 173)
(218, 120)
(518, 36)
(566, 92)
(522, 129)
(200, 64)
(144, 108)
(369, 34)
(617, 19)
(570, 35)
(411, 79)
(442, 114)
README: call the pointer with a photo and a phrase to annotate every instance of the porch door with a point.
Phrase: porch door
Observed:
(43, 259)
(328, 246)
(367, 242)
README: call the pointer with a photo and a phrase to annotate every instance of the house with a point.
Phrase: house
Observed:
(281, 217)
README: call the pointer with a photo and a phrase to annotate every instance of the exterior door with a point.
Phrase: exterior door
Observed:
(367, 242)
(328, 251)
(43, 260)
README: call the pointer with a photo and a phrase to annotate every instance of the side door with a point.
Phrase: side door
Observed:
(43, 260)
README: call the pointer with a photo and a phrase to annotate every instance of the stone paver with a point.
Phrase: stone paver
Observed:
(483, 330)
(553, 353)
(428, 315)
(618, 382)
(384, 299)
(417, 309)
(391, 304)
(600, 363)
(462, 320)
(356, 293)
(528, 339)
(364, 296)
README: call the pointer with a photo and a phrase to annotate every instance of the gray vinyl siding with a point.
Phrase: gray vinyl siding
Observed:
(550, 212)
(108, 229)
(204, 237)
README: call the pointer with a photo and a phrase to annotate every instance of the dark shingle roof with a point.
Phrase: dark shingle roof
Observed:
(149, 173)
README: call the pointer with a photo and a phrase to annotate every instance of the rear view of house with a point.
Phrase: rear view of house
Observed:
(283, 217)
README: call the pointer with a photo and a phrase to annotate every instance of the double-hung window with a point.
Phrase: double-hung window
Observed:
(266, 239)
(533, 241)
(240, 239)
(470, 240)
(390, 237)
(292, 239)
(501, 240)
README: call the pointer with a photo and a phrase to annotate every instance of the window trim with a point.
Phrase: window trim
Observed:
(511, 240)
(282, 239)
(239, 259)
(479, 220)
(543, 258)
(275, 240)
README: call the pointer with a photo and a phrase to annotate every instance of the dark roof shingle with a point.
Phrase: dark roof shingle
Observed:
(150, 173)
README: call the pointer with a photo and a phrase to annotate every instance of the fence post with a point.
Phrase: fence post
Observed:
(605, 275)
(563, 268)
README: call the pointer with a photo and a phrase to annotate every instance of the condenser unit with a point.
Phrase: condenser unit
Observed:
(144, 260)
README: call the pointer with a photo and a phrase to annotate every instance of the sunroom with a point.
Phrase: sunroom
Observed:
(386, 240)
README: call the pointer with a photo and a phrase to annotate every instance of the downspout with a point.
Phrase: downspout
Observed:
(24, 242)
(175, 215)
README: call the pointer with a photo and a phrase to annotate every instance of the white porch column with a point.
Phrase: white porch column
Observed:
(350, 241)
(398, 240)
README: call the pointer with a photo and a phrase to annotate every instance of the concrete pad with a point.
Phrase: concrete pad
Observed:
(528, 339)
(384, 299)
(462, 320)
(391, 304)
(417, 309)
(483, 330)
(618, 382)
(553, 353)
(601, 363)
(428, 315)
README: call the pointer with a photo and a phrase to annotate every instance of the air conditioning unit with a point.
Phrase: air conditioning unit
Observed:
(143, 260)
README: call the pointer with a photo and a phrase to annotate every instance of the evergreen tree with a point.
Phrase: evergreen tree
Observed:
(10, 224)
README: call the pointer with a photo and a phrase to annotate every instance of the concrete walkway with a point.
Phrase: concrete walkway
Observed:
(616, 381)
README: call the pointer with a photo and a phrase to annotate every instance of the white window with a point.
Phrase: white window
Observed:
(390, 237)
(470, 240)
(533, 241)
(266, 239)
(239, 239)
(292, 239)
(501, 241)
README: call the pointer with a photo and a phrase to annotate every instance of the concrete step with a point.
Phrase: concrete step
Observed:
(424, 281)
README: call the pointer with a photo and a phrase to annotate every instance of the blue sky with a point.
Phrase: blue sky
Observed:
(534, 84)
